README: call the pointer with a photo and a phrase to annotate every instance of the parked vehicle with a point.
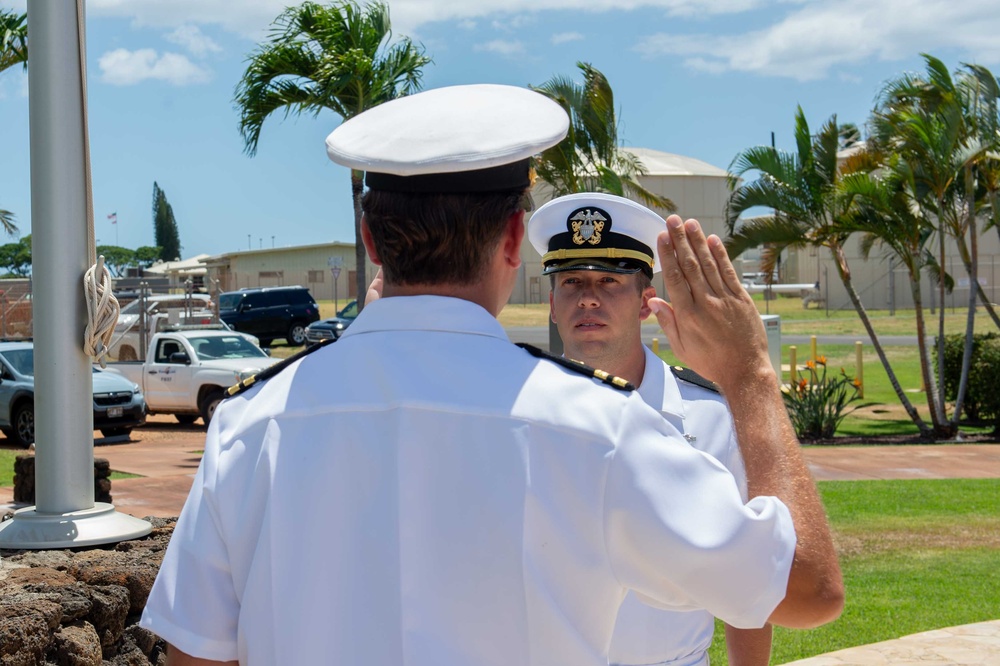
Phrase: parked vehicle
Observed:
(270, 312)
(119, 405)
(332, 327)
(187, 372)
(126, 343)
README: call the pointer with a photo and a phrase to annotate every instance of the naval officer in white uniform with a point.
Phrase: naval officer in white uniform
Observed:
(598, 303)
(423, 492)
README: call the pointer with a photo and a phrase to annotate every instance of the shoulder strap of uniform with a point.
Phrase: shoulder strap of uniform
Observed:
(577, 366)
(692, 377)
(272, 370)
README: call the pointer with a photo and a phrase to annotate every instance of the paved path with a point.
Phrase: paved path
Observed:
(166, 455)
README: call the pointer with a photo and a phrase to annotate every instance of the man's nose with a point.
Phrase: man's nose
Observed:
(588, 297)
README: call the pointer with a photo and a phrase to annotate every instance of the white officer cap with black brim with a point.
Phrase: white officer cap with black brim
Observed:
(596, 232)
(454, 140)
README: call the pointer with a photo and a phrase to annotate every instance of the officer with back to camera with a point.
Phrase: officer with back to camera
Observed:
(597, 250)
(457, 500)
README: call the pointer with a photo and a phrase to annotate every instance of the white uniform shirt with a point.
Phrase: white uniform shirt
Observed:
(422, 492)
(645, 635)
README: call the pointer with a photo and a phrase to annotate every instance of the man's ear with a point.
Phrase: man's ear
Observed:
(366, 238)
(512, 239)
(644, 310)
(552, 309)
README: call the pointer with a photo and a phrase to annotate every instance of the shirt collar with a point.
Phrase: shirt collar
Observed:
(659, 386)
(426, 313)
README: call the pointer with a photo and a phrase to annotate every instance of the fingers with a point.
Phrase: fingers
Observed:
(703, 250)
(726, 269)
(674, 280)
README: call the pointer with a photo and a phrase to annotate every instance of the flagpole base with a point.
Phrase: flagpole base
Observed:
(31, 530)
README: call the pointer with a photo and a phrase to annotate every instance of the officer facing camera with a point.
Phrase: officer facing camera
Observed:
(598, 251)
(460, 500)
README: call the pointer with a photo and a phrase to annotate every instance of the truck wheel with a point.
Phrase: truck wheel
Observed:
(209, 402)
(23, 432)
(296, 335)
(186, 419)
(116, 432)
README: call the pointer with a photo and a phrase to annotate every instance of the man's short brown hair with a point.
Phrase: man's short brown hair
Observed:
(427, 238)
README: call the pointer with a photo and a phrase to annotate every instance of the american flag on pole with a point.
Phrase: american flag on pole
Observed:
(113, 217)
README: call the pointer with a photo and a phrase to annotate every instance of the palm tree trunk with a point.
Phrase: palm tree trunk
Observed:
(972, 269)
(840, 260)
(938, 416)
(357, 189)
(926, 363)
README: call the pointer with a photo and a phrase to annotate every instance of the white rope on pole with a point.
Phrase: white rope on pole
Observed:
(102, 312)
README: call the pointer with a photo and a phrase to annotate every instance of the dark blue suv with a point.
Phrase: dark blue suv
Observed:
(270, 312)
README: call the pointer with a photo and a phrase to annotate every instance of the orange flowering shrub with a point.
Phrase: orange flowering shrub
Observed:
(817, 404)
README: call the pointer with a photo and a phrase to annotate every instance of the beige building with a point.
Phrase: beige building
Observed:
(311, 266)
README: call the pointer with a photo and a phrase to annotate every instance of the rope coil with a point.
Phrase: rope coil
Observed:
(102, 311)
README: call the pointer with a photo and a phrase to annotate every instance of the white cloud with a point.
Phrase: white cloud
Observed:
(816, 38)
(503, 47)
(563, 37)
(122, 67)
(194, 40)
(467, 24)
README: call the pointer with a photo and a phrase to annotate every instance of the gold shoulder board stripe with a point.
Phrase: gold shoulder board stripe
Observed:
(578, 367)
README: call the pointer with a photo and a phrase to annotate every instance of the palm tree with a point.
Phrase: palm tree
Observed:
(13, 39)
(932, 122)
(13, 50)
(886, 215)
(589, 159)
(811, 208)
(336, 57)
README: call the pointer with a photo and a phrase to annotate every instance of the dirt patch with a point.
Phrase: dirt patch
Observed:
(978, 534)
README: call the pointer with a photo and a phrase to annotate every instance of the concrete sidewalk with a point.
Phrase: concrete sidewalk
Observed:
(166, 455)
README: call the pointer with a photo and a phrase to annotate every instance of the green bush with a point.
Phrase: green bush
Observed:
(982, 398)
(817, 404)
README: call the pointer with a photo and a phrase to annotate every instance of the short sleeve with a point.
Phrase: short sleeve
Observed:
(679, 534)
(193, 604)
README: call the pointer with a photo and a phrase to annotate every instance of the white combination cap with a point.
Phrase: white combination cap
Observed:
(598, 232)
(471, 138)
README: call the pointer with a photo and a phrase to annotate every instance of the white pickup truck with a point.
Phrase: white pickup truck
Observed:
(187, 372)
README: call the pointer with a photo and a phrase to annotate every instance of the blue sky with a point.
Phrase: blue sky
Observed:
(703, 78)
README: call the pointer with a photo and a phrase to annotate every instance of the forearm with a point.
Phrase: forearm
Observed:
(775, 466)
(749, 647)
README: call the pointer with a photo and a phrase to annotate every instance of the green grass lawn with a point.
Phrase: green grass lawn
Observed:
(916, 555)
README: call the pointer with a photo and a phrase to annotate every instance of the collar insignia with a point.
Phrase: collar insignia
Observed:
(587, 225)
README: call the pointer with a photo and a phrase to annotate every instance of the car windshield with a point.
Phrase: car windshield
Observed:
(22, 360)
(350, 311)
(225, 346)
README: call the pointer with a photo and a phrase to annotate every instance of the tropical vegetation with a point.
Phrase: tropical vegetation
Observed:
(590, 158)
(165, 233)
(927, 177)
(338, 57)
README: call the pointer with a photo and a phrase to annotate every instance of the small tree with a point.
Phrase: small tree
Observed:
(146, 255)
(116, 258)
(165, 226)
(13, 50)
(16, 257)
